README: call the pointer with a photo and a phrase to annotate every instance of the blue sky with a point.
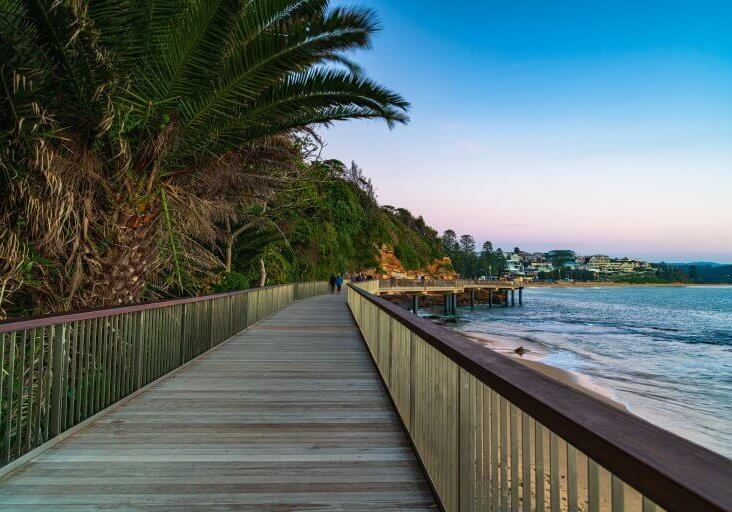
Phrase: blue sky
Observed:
(601, 126)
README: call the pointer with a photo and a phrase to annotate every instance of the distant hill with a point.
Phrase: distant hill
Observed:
(706, 271)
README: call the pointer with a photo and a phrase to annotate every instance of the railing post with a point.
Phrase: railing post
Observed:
(10, 372)
(230, 301)
(58, 356)
(182, 341)
(138, 350)
(211, 321)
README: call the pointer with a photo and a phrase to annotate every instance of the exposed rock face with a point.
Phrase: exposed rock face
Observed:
(390, 266)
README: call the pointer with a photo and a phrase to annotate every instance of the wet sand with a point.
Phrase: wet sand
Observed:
(533, 359)
(601, 284)
(613, 284)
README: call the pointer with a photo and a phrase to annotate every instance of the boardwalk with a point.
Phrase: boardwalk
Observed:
(289, 415)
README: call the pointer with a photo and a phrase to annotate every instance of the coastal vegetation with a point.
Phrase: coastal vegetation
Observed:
(327, 221)
(139, 141)
(703, 272)
(468, 263)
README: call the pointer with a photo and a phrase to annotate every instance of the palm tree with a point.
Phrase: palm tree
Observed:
(116, 115)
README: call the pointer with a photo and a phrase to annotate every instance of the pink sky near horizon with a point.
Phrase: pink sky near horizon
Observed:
(644, 204)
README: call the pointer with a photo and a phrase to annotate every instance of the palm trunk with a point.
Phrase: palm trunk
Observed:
(124, 269)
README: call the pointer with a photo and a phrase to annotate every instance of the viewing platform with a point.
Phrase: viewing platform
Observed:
(439, 287)
(286, 398)
(498, 290)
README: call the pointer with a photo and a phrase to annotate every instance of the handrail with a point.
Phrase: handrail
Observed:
(30, 322)
(58, 370)
(667, 469)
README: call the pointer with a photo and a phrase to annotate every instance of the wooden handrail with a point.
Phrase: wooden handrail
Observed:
(30, 322)
(58, 370)
(673, 472)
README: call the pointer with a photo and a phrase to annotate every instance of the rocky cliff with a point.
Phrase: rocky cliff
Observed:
(389, 265)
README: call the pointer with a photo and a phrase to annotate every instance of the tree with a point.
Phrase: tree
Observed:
(468, 257)
(560, 257)
(450, 243)
(125, 126)
(499, 262)
(485, 260)
(467, 244)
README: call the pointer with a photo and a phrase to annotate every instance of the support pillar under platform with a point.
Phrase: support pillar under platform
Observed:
(450, 304)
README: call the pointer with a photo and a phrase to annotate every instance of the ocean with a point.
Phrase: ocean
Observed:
(664, 352)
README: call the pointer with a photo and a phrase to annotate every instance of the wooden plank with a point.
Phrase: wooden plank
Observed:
(276, 418)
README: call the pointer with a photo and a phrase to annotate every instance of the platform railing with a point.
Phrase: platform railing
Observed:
(385, 284)
(495, 435)
(56, 371)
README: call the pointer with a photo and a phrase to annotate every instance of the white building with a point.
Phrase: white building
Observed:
(514, 264)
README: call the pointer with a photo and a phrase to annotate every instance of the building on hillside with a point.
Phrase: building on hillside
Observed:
(540, 266)
(534, 257)
(605, 264)
(514, 264)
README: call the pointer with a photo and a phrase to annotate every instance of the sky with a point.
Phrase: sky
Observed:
(605, 127)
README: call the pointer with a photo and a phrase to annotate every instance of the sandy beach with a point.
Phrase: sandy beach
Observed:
(612, 284)
(599, 284)
(533, 359)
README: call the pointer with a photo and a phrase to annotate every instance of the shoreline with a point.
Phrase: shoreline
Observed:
(534, 359)
(612, 284)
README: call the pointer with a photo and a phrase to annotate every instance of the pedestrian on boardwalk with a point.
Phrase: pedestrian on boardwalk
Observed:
(339, 283)
(332, 283)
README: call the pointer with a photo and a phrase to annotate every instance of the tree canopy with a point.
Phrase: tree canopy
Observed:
(132, 133)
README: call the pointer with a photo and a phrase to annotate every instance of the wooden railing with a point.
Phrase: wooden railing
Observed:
(57, 371)
(495, 435)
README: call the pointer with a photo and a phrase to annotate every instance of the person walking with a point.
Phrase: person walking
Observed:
(332, 283)
(339, 283)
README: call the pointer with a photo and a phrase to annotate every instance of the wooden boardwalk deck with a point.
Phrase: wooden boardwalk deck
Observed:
(289, 415)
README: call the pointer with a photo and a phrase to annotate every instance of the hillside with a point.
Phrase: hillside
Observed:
(331, 223)
(706, 272)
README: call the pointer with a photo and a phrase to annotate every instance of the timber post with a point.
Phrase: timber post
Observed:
(58, 389)
(137, 374)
